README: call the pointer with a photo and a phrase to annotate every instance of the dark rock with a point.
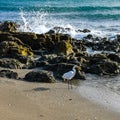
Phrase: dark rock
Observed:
(80, 75)
(104, 67)
(64, 47)
(114, 57)
(40, 76)
(12, 49)
(84, 30)
(78, 46)
(29, 39)
(41, 63)
(10, 63)
(50, 32)
(89, 36)
(8, 74)
(118, 37)
(4, 35)
(8, 26)
(62, 68)
(58, 59)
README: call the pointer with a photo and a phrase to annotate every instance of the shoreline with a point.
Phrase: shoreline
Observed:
(47, 101)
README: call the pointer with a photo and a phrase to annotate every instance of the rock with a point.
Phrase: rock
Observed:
(80, 75)
(59, 59)
(118, 37)
(103, 44)
(49, 57)
(89, 36)
(60, 29)
(14, 50)
(114, 57)
(10, 63)
(4, 36)
(8, 74)
(27, 38)
(50, 32)
(8, 37)
(40, 76)
(84, 30)
(64, 47)
(62, 68)
(8, 26)
(104, 67)
(41, 63)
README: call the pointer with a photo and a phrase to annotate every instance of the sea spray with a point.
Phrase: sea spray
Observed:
(41, 22)
(34, 22)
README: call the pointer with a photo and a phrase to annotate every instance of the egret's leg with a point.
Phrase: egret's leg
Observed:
(68, 83)
(71, 84)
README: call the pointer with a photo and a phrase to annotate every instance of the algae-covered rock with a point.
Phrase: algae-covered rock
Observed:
(65, 47)
(8, 26)
(12, 49)
(29, 39)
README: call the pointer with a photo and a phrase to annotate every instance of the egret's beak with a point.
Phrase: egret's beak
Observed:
(78, 68)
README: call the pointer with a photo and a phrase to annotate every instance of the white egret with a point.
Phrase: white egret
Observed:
(69, 75)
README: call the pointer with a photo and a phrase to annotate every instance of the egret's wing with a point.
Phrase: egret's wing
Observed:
(69, 75)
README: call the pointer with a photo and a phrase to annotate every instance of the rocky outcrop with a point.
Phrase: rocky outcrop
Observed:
(40, 76)
(10, 63)
(57, 52)
(14, 50)
(64, 47)
(8, 74)
(114, 57)
(8, 26)
(101, 65)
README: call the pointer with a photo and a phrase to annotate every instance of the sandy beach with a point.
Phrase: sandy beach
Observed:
(20, 100)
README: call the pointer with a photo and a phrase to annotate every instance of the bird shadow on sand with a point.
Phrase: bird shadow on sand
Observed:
(38, 89)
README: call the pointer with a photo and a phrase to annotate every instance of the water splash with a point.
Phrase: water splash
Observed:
(42, 21)
(34, 21)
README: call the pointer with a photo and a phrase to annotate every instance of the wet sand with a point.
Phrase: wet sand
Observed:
(20, 100)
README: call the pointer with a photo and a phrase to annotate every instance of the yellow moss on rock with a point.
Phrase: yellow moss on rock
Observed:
(13, 49)
(24, 51)
(65, 47)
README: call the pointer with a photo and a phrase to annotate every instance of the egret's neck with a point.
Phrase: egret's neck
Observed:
(74, 69)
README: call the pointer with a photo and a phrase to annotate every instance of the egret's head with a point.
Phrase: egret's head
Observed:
(77, 67)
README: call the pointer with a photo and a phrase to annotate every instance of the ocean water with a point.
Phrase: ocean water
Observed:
(104, 91)
(102, 17)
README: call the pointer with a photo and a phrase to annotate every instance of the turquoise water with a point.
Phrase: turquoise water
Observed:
(100, 15)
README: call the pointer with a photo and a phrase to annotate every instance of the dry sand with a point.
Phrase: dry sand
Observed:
(21, 100)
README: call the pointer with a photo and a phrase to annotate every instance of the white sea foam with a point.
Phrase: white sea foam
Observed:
(33, 22)
(41, 22)
(101, 92)
(92, 52)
